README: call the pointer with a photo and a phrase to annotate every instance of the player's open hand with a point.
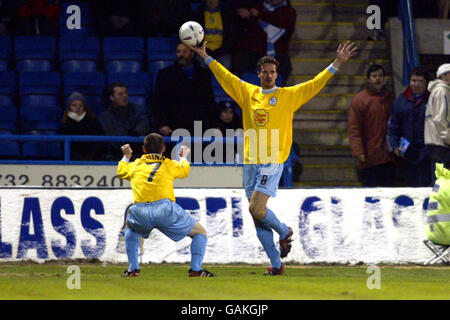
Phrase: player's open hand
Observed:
(346, 51)
(127, 151)
(201, 51)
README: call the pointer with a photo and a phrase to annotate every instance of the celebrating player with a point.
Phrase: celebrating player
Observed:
(151, 178)
(267, 113)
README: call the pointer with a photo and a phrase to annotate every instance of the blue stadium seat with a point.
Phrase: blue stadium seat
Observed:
(78, 66)
(42, 150)
(139, 100)
(8, 119)
(3, 65)
(8, 83)
(87, 20)
(39, 83)
(5, 48)
(128, 66)
(34, 47)
(35, 100)
(6, 101)
(39, 118)
(9, 149)
(123, 48)
(161, 48)
(29, 65)
(89, 83)
(79, 48)
(138, 83)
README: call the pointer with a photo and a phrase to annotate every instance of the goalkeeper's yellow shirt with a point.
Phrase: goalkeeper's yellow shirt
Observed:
(152, 176)
(267, 115)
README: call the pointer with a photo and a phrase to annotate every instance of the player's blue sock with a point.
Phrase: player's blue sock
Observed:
(132, 243)
(271, 221)
(198, 248)
(265, 236)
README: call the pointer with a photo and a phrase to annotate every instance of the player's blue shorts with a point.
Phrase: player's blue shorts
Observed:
(263, 178)
(164, 215)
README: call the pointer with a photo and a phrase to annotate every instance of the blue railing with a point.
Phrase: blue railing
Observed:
(410, 53)
(287, 177)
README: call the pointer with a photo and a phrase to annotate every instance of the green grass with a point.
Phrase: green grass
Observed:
(237, 282)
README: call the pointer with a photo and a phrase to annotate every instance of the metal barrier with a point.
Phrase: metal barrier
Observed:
(287, 175)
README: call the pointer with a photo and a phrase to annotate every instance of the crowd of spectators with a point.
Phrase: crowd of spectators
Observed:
(237, 34)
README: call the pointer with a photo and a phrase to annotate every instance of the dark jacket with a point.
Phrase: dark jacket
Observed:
(367, 127)
(132, 120)
(230, 30)
(178, 100)
(125, 121)
(89, 126)
(408, 120)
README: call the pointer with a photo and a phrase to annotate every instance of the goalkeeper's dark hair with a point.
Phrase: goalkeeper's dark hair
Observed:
(154, 143)
(267, 59)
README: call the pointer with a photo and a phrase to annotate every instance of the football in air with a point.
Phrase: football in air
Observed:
(191, 33)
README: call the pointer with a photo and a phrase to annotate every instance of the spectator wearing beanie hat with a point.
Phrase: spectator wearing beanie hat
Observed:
(437, 118)
(79, 120)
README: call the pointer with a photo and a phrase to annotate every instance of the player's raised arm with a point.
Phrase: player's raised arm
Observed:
(123, 169)
(344, 53)
(308, 90)
(183, 165)
(232, 85)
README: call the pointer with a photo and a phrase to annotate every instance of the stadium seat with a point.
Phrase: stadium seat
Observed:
(34, 47)
(8, 119)
(9, 149)
(5, 48)
(35, 100)
(79, 48)
(440, 253)
(78, 66)
(161, 48)
(128, 66)
(123, 48)
(139, 100)
(87, 20)
(42, 150)
(8, 83)
(138, 83)
(39, 118)
(30, 65)
(89, 83)
(39, 83)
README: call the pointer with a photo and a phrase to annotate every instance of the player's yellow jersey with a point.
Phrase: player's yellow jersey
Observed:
(152, 176)
(267, 115)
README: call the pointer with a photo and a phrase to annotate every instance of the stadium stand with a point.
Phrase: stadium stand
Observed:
(79, 54)
(34, 53)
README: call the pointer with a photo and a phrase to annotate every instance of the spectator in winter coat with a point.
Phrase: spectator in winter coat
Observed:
(437, 118)
(123, 118)
(79, 120)
(406, 125)
(367, 128)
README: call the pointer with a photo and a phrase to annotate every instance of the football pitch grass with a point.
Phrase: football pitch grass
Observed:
(48, 281)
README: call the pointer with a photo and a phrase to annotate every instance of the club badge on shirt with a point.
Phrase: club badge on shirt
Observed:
(273, 101)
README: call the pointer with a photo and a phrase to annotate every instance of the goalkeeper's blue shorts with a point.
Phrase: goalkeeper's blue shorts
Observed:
(164, 215)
